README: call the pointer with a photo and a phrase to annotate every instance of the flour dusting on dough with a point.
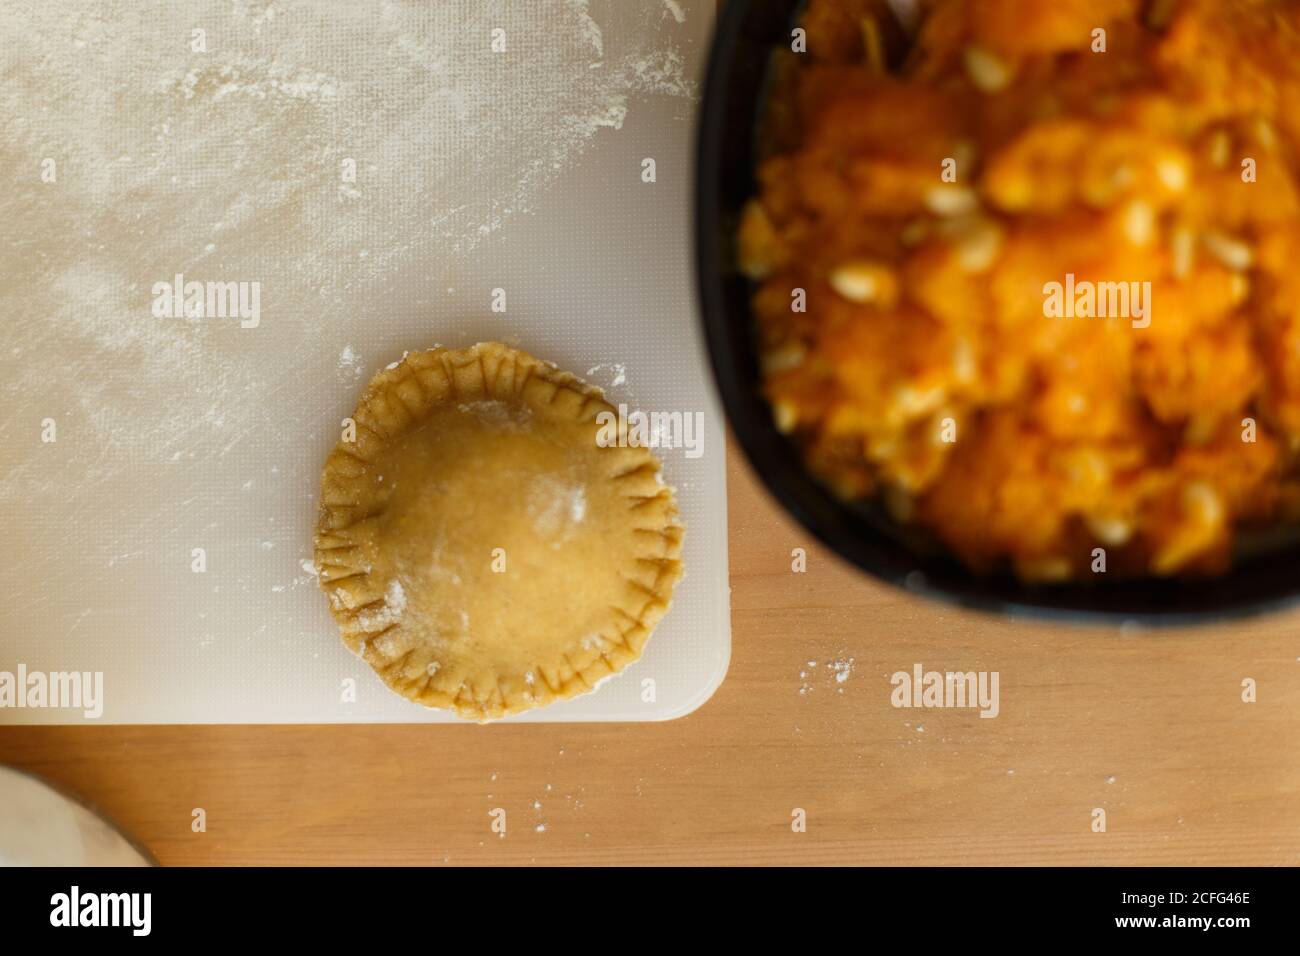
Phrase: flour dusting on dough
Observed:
(389, 613)
(555, 507)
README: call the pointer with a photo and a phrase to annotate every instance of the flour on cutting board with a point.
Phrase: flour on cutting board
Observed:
(311, 150)
(219, 218)
(616, 371)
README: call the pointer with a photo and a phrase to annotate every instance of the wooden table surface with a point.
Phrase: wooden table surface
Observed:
(1150, 727)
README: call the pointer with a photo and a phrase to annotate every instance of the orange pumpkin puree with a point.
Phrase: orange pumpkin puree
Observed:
(922, 201)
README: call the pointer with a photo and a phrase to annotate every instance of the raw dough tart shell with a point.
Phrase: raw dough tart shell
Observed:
(480, 549)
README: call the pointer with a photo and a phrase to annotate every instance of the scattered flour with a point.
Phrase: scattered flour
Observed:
(555, 507)
(618, 373)
(388, 614)
(806, 686)
(313, 148)
(512, 416)
(578, 505)
(350, 366)
(837, 671)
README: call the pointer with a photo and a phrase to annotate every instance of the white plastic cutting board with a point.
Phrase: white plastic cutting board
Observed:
(213, 436)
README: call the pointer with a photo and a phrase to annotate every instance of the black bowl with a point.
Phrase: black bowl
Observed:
(747, 33)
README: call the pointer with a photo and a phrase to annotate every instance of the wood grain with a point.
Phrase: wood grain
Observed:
(1149, 726)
